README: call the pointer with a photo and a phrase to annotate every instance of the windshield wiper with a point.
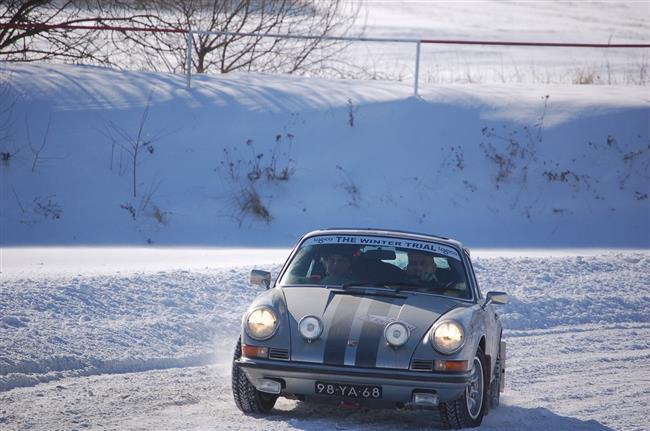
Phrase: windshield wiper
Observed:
(406, 286)
(361, 284)
(398, 285)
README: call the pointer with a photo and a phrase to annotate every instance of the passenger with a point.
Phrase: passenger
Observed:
(421, 266)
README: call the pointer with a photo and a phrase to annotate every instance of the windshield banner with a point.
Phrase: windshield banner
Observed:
(379, 241)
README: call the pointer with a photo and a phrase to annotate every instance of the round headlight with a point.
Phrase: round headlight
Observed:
(448, 336)
(310, 327)
(396, 333)
(261, 323)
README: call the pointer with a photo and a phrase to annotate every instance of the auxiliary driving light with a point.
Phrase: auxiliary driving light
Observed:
(310, 328)
(425, 399)
(268, 386)
(396, 334)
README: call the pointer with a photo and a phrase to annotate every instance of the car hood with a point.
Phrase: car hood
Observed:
(354, 322)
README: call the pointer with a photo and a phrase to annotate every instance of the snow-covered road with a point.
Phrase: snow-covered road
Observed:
(149, 349)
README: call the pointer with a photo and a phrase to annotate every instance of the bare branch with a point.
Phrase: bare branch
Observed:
(36, 151)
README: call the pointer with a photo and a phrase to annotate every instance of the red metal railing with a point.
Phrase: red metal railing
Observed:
(418, 42)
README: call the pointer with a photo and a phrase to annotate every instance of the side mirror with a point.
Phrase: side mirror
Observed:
(500, 298)
(261, 278)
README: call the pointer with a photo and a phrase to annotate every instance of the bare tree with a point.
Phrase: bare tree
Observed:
(225, 53)
(133, 144)
(26, 32)
(37, 150)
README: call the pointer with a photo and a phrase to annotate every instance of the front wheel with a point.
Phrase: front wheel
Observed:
(247, 398)
(468, 410)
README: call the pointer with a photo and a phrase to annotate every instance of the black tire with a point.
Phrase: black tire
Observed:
(456, 414)
(247, 398)
(495, 387)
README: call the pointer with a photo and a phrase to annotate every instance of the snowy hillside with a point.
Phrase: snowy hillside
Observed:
(248, 159)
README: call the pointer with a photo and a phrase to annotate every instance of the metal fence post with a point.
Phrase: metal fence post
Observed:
(188, 61)
(417, 69)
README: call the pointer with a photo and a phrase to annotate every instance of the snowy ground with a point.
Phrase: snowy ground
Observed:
(148, 347)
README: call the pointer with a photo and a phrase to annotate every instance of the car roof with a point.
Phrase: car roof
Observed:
(386, 232)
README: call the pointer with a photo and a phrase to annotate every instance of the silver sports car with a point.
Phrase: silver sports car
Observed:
(373, 317)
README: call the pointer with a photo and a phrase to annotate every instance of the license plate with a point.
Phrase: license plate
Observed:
(348, 391)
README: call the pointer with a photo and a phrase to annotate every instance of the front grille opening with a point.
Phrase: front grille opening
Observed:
(422, 365)
(281, 354)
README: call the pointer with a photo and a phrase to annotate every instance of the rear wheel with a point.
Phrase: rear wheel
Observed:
(247, 398)
(468, 410)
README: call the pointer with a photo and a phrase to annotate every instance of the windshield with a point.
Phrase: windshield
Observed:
(358, 261)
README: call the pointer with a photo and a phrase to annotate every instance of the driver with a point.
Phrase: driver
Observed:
(337, 264)
(421, 266)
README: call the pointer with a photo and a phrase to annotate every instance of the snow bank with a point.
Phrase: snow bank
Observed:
(256, 160)
(81, 325)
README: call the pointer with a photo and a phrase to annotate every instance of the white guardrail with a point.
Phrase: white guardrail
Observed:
(417, 42)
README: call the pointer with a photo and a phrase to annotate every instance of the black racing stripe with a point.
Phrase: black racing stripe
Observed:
(372, 334)
(337, 337)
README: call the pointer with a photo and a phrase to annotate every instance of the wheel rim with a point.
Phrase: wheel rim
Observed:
(474, 390)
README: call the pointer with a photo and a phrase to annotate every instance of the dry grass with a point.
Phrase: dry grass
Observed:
(251, 203)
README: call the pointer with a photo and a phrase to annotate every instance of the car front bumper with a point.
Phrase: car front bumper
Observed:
(398, 386)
